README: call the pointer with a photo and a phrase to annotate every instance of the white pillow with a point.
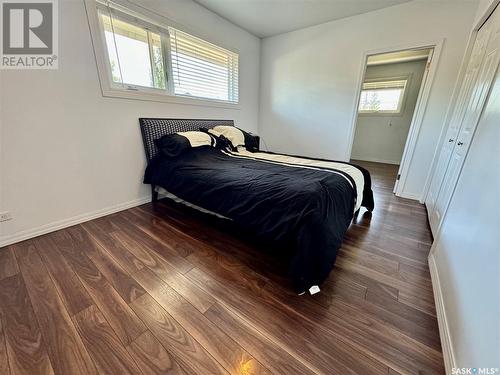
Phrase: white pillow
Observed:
(197, 138)
(232, 133)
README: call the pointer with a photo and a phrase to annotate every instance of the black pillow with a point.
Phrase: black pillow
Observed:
(251, 141)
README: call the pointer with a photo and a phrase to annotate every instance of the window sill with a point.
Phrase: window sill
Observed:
(380, 114)
(162, 98)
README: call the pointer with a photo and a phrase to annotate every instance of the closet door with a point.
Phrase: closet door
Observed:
(456, 121)
(467, 112)
(450, 141)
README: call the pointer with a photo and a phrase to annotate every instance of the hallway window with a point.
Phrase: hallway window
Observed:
(382, 96)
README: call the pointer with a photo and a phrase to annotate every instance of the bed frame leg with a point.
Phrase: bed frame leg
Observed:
(154, 194)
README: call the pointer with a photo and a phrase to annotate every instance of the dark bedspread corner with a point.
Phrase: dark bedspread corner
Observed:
(368, 201)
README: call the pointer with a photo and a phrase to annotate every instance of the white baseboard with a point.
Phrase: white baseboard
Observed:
(47, 228)
(376, 160)
(444, 330)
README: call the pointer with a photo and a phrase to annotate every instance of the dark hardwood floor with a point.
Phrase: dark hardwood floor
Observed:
(159, 289)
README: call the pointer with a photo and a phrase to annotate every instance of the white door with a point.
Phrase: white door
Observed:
(475, 88)
(415, 111)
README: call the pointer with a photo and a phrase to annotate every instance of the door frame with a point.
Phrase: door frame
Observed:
(418, 114)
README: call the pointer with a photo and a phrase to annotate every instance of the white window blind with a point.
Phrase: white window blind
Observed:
(202, 69)
(382, 96)
(396, 84)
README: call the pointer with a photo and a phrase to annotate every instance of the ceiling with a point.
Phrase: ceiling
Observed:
(265, 18)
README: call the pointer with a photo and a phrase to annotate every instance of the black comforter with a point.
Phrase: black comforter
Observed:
(308, 208)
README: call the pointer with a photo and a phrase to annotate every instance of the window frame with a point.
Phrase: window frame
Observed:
(148, 27)
(402, 101)
(154, 23)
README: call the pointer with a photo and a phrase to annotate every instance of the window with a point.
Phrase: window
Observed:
(382, 96)
(143, 57)
(136, 56)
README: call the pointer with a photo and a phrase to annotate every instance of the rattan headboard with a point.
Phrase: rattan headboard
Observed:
(154, 128)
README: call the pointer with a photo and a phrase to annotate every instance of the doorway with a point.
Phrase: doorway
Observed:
(390, 97)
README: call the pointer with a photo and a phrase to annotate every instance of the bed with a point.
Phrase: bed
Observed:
(304, 202)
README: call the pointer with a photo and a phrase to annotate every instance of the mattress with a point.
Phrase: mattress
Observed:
(307, 203)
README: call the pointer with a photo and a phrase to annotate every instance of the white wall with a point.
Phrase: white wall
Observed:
(382, 137)
(309, 78)
(467, 251)
(67, 151)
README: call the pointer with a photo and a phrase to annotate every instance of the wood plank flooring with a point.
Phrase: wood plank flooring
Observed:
(163, 289)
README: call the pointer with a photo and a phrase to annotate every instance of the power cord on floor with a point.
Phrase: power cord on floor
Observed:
(262, 139)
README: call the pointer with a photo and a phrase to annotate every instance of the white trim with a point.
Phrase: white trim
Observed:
(377, 160)
(417, 120)
(164, 98)
(420, 106)
(56, 225)
(487, 13)
(415, 197)
(397, 60)
(444, 329)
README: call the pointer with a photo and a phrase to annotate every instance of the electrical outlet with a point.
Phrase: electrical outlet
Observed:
(5, 216)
